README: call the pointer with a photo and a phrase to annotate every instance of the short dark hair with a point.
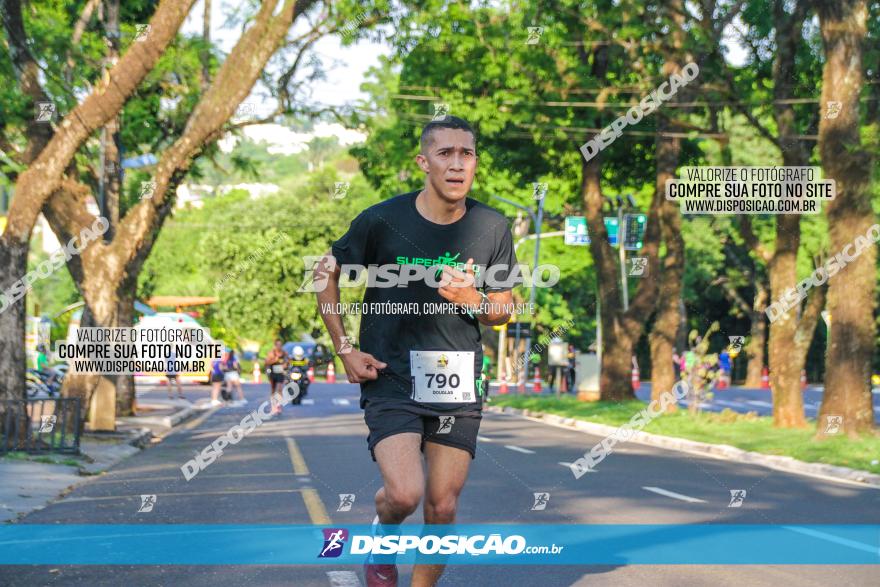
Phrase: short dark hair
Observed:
(453, 122)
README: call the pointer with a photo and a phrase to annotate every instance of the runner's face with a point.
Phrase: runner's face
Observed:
(450, 162)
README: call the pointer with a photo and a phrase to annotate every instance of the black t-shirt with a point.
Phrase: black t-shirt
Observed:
(393, 232)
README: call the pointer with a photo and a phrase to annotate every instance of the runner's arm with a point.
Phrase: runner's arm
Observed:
(328, 297)
(359, 366)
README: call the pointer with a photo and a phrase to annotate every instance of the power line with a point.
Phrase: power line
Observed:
(627, 106)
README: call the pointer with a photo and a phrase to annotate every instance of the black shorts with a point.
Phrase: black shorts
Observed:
(215, 378)
(278, 377)
(386, 418)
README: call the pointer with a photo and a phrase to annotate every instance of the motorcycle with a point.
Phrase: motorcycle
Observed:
(38, 385)
(226, 391)
(299, 374)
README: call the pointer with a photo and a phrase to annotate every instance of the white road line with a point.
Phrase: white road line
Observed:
(341, 401)
(485, 439)
(833, 538)
(308, 402)
(674, 495)
(568, 466)
(760, 404)
(518, 449)
(343, 579)
(722, 402)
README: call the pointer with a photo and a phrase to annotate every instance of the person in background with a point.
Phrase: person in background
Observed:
(276, 368)
(216, 380)
(172, 376)
(299, 358)
(724, 367)
(570, 370)
(43, 364)
(232, 375)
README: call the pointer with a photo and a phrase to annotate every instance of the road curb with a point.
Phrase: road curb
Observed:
(723, 451)
(164, 421)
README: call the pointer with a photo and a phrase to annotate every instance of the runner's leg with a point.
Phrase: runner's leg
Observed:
(447, 472)
(400, 462)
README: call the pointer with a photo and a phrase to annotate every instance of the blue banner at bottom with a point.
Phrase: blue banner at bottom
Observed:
(172, 544)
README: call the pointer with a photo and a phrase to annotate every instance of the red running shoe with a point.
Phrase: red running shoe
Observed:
(380, 575)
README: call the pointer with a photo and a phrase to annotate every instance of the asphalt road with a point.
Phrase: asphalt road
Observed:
(291, 471)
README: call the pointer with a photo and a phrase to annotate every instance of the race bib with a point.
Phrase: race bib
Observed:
(442, 376)
(277, 368)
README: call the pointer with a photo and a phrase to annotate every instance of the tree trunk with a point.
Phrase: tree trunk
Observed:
(13, 266)
(205, 55)
(125, 396)
(614, 383)
(621, 329)
(667, 152)
(667, 320)
(96, 392)
(785, 369)
(758, 338)
(844, 159)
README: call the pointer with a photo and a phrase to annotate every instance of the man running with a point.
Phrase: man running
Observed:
(417, 370)
(276, 368)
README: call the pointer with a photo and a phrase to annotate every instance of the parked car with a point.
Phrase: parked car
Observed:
(318, 354)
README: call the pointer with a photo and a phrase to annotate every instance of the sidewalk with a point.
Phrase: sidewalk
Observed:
(30, 482)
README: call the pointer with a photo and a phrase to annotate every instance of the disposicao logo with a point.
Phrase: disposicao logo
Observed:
(334, 541)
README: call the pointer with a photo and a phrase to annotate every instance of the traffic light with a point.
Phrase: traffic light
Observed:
(612, 229)
(634, 231)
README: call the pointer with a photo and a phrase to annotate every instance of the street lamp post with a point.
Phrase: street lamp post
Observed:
(622, 252)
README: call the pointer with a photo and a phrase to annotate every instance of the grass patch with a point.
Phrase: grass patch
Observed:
(47, 459)
(746, 431)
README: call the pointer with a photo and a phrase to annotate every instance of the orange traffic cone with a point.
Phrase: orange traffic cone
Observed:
(256, 372)
(803, 379)
(536, 384)
(765, 378)
(636, 382)
(311, 373)
(331, 373)
(503, 388)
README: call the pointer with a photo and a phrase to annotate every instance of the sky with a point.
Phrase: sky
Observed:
(343, 80)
